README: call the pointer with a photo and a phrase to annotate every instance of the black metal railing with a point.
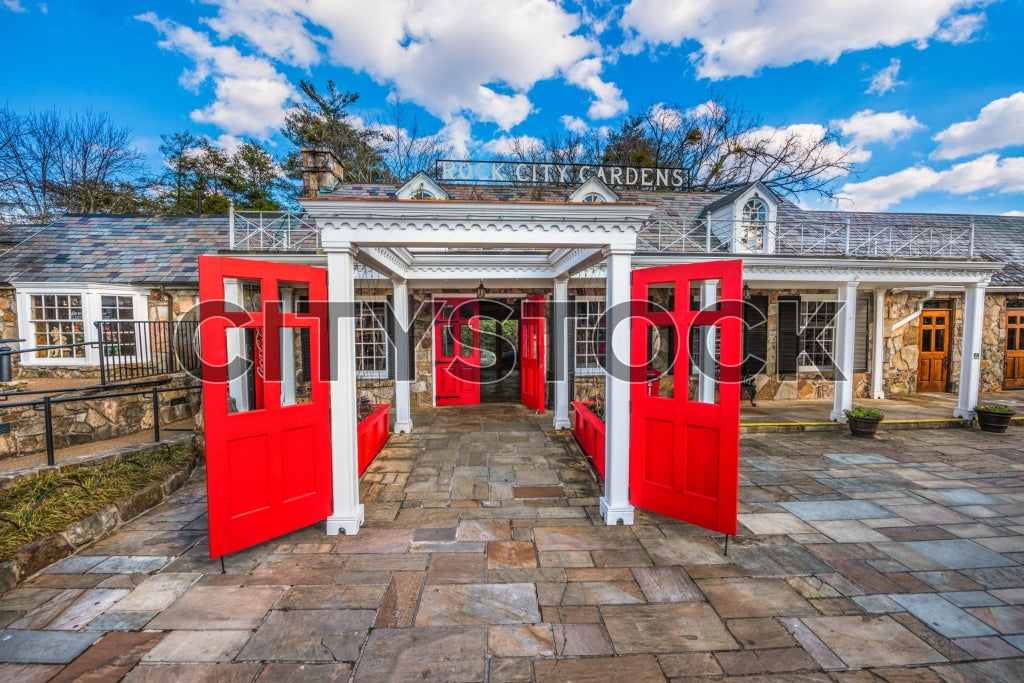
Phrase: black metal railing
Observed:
(47, 403)
(135, 349)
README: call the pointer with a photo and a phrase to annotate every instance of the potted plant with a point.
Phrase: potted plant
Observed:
(863, 421)
(994, 417)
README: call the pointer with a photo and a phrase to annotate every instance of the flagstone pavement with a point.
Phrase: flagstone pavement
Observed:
(483, 558)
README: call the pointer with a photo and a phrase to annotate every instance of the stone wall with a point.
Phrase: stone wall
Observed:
(901, 347)
(993, 334)
(91, 420)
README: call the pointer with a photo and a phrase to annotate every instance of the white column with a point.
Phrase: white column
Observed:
(970, 356)
(615, 507)
(878, 346)
(348, 512)
(559, 342)
(706, 377)
(846, 321)
(404, 370)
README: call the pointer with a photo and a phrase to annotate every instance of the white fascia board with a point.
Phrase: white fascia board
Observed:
(348, 211)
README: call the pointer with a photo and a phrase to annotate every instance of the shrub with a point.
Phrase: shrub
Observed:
(865, 413)
(995, 408)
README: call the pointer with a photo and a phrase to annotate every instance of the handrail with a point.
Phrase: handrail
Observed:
(46, 404)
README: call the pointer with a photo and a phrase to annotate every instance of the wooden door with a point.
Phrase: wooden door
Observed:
(933, 350)
(684, 430)
(1013, 360)
(531, 353)
(456, 352)
(265, 399)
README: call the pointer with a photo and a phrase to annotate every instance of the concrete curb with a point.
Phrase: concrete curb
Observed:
(42, 552)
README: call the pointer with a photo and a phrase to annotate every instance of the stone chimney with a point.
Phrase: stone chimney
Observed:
(320, 168)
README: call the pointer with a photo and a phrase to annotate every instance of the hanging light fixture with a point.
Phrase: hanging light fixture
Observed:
(481, 291)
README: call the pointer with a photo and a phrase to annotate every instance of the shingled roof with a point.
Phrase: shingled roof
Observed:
(165, 249)
(112, 249)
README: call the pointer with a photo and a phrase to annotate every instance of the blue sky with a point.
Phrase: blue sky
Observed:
(927, 94)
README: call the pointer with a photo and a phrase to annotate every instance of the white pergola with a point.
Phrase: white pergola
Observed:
(537, 245)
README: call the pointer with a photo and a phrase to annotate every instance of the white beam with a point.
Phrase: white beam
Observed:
(560, 315)
(615, 506)
(846, 322)
(878, 345)
(403, 369)
(970, 355)
(348, 513)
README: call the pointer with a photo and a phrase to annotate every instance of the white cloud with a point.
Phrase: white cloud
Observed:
(453, 57)
(250, 94)
(887, 79)
(506, 145)
(988, 173)
(574, 124)
(667, 117)
(14, 5)
(868, 126)
(882, 192)
(804, 137)
(740, 37)
(458, 134)
(1000, 123)
(1015, 212)
(609, 102)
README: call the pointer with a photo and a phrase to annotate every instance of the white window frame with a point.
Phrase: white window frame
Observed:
(740, 222)
(816, 300)
(597, 369)
(92, 311)
(861, 330)
(383, 327)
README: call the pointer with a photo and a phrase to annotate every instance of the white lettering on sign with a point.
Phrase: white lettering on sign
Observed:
(564, 174)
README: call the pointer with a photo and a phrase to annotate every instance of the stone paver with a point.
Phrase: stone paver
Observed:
(483, 557)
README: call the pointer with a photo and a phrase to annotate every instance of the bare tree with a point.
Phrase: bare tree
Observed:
(720, 146)
(51, 165)
(403, 145)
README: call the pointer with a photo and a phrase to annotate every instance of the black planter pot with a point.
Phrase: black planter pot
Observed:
(863, 427)
(993, 421)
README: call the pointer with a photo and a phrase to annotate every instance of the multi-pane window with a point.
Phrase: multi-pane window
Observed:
(590, 335)
(372, 340)
(817, 334)
(753, 224)
(56, 320)
(118, 336)
(807, 334)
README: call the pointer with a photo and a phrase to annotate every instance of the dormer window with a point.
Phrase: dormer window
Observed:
(421, 186)
(753, 225)
(593, 191)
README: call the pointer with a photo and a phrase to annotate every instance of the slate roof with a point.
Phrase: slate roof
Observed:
(996, 238)
(112, 249)
(164, 249)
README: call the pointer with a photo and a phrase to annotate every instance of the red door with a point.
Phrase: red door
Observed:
(265, 399)
(531, 353)
(684, 429)
(456, 352)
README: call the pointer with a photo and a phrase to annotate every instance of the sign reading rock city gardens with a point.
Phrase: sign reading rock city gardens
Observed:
(469, 171)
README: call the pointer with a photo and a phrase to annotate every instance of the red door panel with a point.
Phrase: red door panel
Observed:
(268, 441)
(684, 431)
(456, 352)
(531, 353)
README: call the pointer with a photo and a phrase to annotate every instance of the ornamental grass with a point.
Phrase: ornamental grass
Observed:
(50, 503)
